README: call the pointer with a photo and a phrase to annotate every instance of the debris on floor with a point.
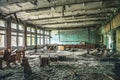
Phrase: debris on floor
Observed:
(73, 66)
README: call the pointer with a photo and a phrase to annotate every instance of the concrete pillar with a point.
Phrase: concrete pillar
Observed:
(25, 36)
(36, 35)
(8, 33)
(1, 64)
(89, 35)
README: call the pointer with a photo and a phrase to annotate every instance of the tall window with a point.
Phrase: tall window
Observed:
(30, 36)
(47, 37)
(41, 37)
(2, 33)
(17, 35)
(38, 37)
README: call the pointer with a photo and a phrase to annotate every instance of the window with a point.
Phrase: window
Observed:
(2, 40)
(33, 39)
(20, 41)
(38, 40)
(28, 29)
(28, 40)
(38, 37)
(46, 32)
(14, 41)
(13, 26)
(41, 31)
(2, 33)
(30, 36)
(41, 39)
(17, 35)
(2, 23)
(21, 27)
(46, 39)
(32, 29)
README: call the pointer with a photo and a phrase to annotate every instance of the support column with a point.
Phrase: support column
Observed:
(89, 35)
(8, 33)
(25, 36)
(1, 64)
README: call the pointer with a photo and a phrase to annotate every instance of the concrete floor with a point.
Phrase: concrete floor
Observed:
(77, 66)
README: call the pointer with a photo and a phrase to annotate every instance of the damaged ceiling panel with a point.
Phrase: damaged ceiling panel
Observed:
(62, 14)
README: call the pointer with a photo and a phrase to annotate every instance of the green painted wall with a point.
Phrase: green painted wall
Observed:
(118, 40)
(74, 36)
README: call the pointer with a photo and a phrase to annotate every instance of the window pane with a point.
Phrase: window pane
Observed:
(41, 31)
(46, 40)
(2, 38)
(20, 41)
(41, 40)
(33, 35)
(2, 23)
(14, 41)
(38, 31)
(21, 34)
(28, 35)
(38, 35)
(14, 33)
(33, 29)
(13, 26)
(47, 33)
(33, 40)
(21, 27)
(38, 41)
(2, 32)
(28, 28)
(28, 41)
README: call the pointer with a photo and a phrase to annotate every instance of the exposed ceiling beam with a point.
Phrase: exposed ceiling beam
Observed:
(77, 27)
(88, 1)
(47, 8)
(68, 18)
(68, 21)
(73, 26)
(8, 2)
(89, 21)
(102, 14)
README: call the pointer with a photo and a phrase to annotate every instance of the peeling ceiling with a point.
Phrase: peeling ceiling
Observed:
(54, 14)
